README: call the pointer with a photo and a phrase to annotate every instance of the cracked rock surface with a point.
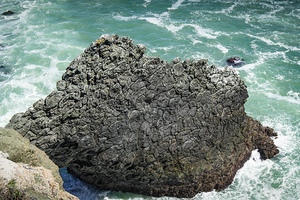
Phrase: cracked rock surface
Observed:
(124, 121)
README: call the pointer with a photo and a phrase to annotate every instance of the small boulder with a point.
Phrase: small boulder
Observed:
(9, 12)
(235, 61)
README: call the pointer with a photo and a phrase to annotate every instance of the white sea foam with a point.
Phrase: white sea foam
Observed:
(200, 31)
(287, 135)
(157, 19)
(279, 77)
(268, 179)
(204, 32)
(292, 97)
(295, 13)
(147, 2)
(277, 54)
(122, 18)
(28, 4)
(196, 41)
(249, 67)
(153, 20)
(174, 28)
(166, 49)
(152, 50)
(34, 82)
(218, 46)
(226, 11)
(163, 20)
(176, 5)
(270, 42)
(222, 48)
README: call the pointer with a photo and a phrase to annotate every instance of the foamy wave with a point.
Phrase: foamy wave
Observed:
(222, 48)
(257, 177)
(278, 54)
(225, 10)
(249, 67)
(287, 133)
(270, 42)
(29, 83)
(176, 5)
(279, 77)
(218, 46)
(153, 20)
(246, 182)
(292, 97)
(163, 20)
(196, 41)
(157, 19)
(122, 18)
(28, 4)
(203, 32)
(147, 2)
(295, 14)
(174, 28)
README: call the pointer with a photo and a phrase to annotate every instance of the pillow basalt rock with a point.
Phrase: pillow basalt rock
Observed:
(124, 121)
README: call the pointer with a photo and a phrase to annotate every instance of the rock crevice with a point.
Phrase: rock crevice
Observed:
(124, 121)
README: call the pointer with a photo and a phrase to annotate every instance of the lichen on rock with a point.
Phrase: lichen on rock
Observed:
(34, 175)
(124, 121)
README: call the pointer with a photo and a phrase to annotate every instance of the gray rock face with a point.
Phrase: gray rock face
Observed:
(124, 121)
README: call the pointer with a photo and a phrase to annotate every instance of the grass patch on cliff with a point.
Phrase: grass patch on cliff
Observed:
(8, 191)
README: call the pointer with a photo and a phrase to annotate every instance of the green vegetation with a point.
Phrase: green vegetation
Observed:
(12, 188)
(10, 192)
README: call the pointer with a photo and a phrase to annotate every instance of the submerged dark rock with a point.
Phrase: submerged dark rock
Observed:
(235, 61)
(124, 121)
(8, 13)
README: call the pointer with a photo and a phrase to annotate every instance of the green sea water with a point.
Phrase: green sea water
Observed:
(39, 41)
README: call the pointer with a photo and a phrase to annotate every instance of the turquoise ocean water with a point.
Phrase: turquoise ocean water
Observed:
(39, 41)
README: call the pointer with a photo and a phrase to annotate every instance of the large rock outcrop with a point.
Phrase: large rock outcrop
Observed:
(123, 121)
(28, 169)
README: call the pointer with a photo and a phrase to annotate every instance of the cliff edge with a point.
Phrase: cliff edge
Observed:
(26, 172)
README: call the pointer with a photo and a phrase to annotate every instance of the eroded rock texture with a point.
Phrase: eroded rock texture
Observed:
(124, 121)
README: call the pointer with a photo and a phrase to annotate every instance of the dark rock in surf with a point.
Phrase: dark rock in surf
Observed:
(124, 121)
(235, 61)
(8, 13)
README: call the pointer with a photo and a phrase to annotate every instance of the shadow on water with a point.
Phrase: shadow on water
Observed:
(5, 69)
(86, 191)
(5, 72)
(78, 188)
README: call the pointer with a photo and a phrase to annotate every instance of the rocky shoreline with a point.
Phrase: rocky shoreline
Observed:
(124, 121)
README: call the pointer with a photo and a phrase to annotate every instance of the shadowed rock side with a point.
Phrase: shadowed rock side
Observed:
(123, 121)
